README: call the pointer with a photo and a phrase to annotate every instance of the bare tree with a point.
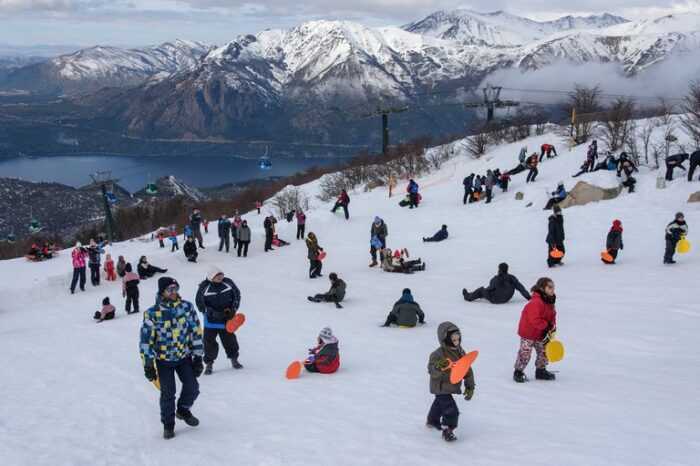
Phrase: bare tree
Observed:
(290, 198)
(667, 122)
(584, 100)
(690, 119)
(439, 155)
(617, 123)
(478, 144)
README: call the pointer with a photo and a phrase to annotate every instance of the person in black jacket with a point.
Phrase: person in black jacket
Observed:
(224, 228)
(218, 298)
(406, 312)
(555, 236)
(675, 161)
(146, 270)
(674, 232)
(613, 242)
(190, 249)
(694, 163)
(468, 182)
(439, 236)
(195, 223)
(378, 234)
(315, 264)
(501, 288)
(269, 225)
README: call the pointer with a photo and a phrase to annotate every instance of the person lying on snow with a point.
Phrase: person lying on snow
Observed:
(439, 236)
(398, 263)
(324, 358)
(406, 312)
(335, 295)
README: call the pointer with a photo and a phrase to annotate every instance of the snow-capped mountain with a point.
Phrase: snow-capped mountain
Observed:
(101, 66)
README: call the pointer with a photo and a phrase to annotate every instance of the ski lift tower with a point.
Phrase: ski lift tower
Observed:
(492, 101)
(103, 179)
(385, 112)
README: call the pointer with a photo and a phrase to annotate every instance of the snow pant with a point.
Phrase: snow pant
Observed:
(552, 201)
(414, 200)
(670, 249)
(552, 261)
(224, 240)
(243, 245)
(629, 183)
(188, 393)
(160, 241)
(95, 274)
(315, 267)
(613, 254)
(206, 228)
(108, 316)
(211, 347)
(444, 411)
(192, 257)
(669, 172)
(78, 273)
(300, 231)
(476, 294)
(198, 236)
(526, 350)
(516, 170)
(268, 240)
(467, 195)
(532, 175)
(111, 275)
(590, 164)
(174, 247)
(691, 170)
(345, 209)
(324, 298)
(489, 193)
(132, 297)
(548, 152)
(233, 235)
(373, 251)
(432, 239)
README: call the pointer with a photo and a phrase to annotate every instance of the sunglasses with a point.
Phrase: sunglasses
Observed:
(172, 289)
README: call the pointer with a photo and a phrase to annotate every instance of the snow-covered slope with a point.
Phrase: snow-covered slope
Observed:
(625, 394)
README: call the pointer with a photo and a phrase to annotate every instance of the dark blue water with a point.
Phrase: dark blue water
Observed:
(134, 172)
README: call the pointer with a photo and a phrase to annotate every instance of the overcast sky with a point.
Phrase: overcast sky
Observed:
(141, 22)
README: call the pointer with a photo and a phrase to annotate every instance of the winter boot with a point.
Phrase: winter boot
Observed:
(543, 374)
(312, 299)
(169, 431)
(448, 435)
(519, 376)
(422, 267)
(433, 424)
(235, 364)
(209, 368)
(187, 416)
(465, 293)
(374, 262)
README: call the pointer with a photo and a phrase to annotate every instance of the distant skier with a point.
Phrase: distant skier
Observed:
(315, 264)
(335, 295)
(343, 201)
(171, 342)
(548, 149)
(500, 290)
(130, 289)
(439, 236)
(613, 242)
(195, 224)
(243, 238)
(555, 236)
(190, 249)
(694, 163)
(674, 232)
(444, 413)
(675, 161)
(79, 256)
(224, 229)
(406, 312)
(324, 358)
(557, 196)
(537, 321)
(378, 234)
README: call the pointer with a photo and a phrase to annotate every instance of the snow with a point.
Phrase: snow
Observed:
(626, 392)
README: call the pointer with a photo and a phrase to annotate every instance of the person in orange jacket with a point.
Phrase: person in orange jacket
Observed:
(109, 268)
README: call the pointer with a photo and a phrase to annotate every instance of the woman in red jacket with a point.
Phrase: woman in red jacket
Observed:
(538, 319)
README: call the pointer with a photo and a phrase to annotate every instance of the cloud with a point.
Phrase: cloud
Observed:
(43, 5)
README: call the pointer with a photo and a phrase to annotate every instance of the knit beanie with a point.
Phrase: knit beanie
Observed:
(127, 267)
(679, 214)
(333, 276)
(377, 219)
(213, 272)
(105, 302)
(327, 336)
(164, 282)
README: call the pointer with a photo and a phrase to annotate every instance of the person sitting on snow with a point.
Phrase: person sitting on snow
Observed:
(147, 270)
(557, 196)
(439, 236)
(335, 295)
(324, 358)
(277, 242)
(398, 263)
(500, 290)
(107, 312)
(406, 312)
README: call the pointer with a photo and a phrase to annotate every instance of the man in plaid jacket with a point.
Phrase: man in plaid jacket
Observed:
(171, 342)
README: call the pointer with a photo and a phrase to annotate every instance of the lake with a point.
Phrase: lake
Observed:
(135, 172)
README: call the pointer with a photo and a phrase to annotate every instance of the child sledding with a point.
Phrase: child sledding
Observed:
(398, 262)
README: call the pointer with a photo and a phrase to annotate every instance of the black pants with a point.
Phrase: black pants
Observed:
(132, 297)
(516, 170)
(489, 193)
(532, 175)
(78, 273)
(613, 254)
(174, 247)
(211, 346)
(198, 236)
(192, 257)
(300, 231)
(373, 251)
(552, 261)
(444, 411)
(670, 249)
(268, 240)
(188, 393)
(315, 267)
(552, 201)
(414, 200)
(345, 209)
(162, 245)
(224, 240)
(325, 298)
(476, 294)
(243, 245)
(95, 274)
(467, 195)
(629, 183)
(669, 172)
(691, 170)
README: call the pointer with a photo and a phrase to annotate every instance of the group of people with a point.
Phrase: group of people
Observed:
(91, 257)
(39, 253)
(677, 160)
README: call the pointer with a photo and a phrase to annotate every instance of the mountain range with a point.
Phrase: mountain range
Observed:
(312, 83)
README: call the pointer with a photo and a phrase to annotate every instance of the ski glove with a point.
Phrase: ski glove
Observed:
(229, 313)
(150, 373)
(443, 363)
(468, 393)
(197, 366)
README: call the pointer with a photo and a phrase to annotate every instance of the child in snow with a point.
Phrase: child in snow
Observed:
(557, 196)
(503, 181)
(109, 268)
(613, 243)
(107, 312)
(161, 237)
(324, 358)
(190, 249)
(443, 413)
(674, 232)
(206, 226)
(439, 236)
(406, 312)
(173, 240)
(121, 265)
(130, 289)
(398, 263)
(335, 295)
(278, 242)
(537, 321)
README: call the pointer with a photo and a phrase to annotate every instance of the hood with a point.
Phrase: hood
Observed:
(443, 329)
(407, 297)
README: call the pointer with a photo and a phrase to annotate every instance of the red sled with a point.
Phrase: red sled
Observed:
(235, 323)
(321, 255)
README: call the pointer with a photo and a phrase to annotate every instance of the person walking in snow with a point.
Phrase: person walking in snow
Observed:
(591, 155)
(406, 312)
(675, 230)
(195, 225)
(488, 185)
(130, 289)
(476, 190)
(79, 256)
(161, 237)
(301, 223)
(324, 358)
(439, 236)
(557, 196)
(109, 268)
(532, 165)
(121, 266)
(315, 264)
(235, 225)
(269, 225)
(94, 258)
(378, 234)
(412, 190)
(190, 249)
(444, 414)
(106, 313)
(335, 295)
(468, 183)
(171, 342)
(224, 229)
(343, 201)
(694, 163)
(243, 238)
(555, 236)
(205, 224)
(500, 290)
(675, 161)
(613, 242)
(173, 240)
(218, 298)
(547, 148)
(537, 322)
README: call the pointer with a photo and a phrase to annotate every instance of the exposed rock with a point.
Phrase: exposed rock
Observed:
(695, 197)
(519, 196)
(584, 193)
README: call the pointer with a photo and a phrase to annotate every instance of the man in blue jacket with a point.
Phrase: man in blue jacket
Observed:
(439, 236)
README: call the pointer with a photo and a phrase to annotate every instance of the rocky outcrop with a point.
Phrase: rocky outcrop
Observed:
(584, 193)
(695, 197)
